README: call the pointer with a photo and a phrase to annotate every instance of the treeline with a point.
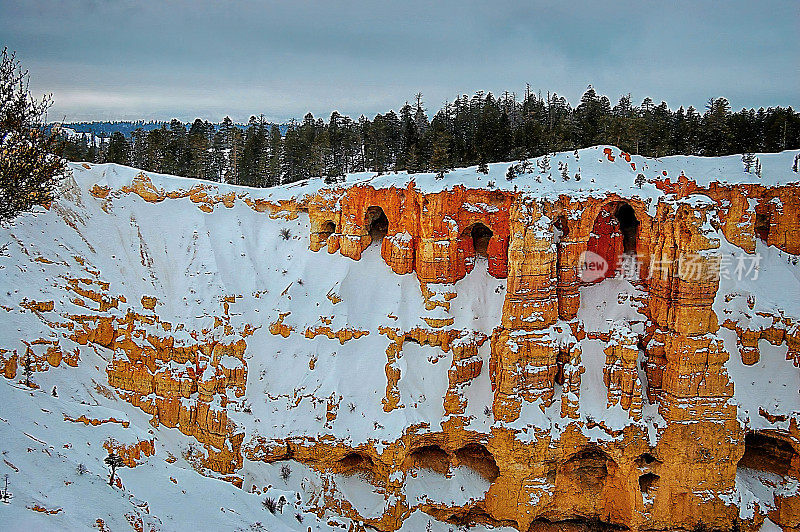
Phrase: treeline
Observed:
(107, 127)
(468, 131)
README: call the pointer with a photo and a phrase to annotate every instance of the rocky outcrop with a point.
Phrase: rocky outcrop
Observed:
(668, 249)
(434, 235)
(201, 195)
(662, 455)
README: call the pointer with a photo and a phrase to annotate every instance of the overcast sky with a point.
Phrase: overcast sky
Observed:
(158, 60)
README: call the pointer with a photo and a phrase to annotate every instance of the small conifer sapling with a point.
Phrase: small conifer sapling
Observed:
(113, 461)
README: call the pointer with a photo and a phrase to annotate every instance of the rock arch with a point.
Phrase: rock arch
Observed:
(321, 230)
(429, 457)
(648, 482)
(479, 235)
(585, 225)
(587, 468)
(762, 223)
(594, 473)
(376, 223)
(478, 458)
(767, 452)
(483, 235)
(615, 235)
(572, 237)
(356, 463)
(628, 226)
(327, 229)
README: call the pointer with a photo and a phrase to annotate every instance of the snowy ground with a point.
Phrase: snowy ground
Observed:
(190, 260)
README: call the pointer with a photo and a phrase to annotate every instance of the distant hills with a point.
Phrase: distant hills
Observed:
(126, 127)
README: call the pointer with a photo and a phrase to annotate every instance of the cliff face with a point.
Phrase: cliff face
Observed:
(541, 246)
(483, 353)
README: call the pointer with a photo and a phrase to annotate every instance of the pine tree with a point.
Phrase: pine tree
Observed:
(483, 168)
(176, 157)
(27, 368)
(231, 147)
(748, 159)
(118, 149)
(139, 149)
(544, 163)
(679, 132)
(512, 172)
(480, 129)
(440, 159)
(113, 461)
(199, 141)
(409, 140)
(716, 129)
(592, 118)
(420, 118)
(274, 163)
(29, 173)
(219, 156)
(91, 153)
(252, 164)
(413, 161)
(640, 180)
(693, 131)
(321, 155)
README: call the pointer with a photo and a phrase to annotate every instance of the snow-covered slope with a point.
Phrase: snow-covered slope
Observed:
(190, 260)
(228, 275)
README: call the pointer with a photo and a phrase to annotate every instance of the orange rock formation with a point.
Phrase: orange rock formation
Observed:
(680, 479)
(683, 480)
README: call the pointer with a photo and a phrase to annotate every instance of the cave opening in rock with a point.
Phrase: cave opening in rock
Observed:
(762, 226)
(645, 459)
(648, 482)
(429, 457)
(587, 468)
(480, 235)
(356, 463)
(479, 459)
(327, 229)
(562, 228)
(628, 226)
(574, 525)
(467, 517)
(377, 224)
(767, 453)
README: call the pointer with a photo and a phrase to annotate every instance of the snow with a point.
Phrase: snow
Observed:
(191, 260)
(609, 303)
(756, 491)
(423, 383)
(419, 521)
(773, 383)
(599, 175)
(367, 500)
(459, 487)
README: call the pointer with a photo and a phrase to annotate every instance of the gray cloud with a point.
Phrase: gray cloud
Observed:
(128, 59)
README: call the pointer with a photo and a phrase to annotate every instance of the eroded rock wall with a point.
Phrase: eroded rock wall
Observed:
(666, 456)
(681, 478)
